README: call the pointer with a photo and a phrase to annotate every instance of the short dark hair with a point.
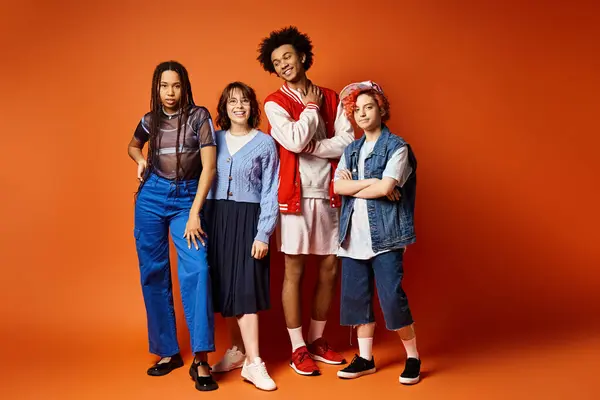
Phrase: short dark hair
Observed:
(289, 35)
(223, 119)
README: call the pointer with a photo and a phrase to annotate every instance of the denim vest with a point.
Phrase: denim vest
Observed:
(391, 222)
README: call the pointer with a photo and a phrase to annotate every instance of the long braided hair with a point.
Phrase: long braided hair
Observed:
(156, 112)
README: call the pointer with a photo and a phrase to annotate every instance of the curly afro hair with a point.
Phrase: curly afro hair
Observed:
(289, 35)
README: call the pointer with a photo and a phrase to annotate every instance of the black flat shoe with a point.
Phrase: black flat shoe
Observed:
(203, 383)
(164, 368)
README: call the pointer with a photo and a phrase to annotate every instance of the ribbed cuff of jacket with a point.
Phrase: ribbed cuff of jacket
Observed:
(313, 106)
(262, 237)
(310, 147)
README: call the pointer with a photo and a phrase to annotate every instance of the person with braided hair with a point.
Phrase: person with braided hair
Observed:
(174, 181)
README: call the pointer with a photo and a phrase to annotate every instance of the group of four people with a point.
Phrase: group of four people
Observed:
(222, 194)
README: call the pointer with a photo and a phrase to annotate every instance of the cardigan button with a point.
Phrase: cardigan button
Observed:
(231, 178)
(230, 194)
(228, 159)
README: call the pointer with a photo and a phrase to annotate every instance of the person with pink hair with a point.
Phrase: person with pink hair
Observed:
(376, 177)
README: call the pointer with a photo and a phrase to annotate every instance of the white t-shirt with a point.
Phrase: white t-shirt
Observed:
(235, 143)
(358, 244)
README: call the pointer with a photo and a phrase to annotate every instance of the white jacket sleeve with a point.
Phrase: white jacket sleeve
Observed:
(293, 135)
(344, 135)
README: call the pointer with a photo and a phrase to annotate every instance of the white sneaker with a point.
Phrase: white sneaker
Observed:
(232, 359)
(258, 375)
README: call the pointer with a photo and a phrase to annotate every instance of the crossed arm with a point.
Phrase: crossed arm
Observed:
(298, 136)
(371, 188)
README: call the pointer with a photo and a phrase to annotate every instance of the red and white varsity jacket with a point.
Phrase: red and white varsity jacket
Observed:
(323, 132)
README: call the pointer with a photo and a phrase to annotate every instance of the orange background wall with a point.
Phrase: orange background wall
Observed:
(499, 100)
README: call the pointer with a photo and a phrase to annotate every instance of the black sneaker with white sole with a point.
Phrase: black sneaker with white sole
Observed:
(412, 372)
(358, 367)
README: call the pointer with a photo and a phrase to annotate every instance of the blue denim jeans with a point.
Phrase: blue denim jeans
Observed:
(358, 276)
(160, 207)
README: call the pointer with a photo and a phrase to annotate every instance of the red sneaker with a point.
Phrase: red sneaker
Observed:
(320, 351)
(302, 363)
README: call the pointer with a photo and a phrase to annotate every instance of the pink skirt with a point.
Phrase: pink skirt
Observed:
(315, 231)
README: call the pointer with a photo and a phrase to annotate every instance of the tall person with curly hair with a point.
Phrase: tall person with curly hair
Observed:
(242, 213)
(311, 132)
(174, 181)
